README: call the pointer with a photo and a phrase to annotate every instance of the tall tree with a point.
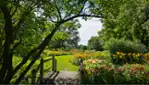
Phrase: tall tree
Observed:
(67, 37)
(94, 43)
(14, 18)
(125, 19)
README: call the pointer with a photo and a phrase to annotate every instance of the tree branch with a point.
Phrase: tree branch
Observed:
(81, 15)
(39, 50)
(14, 11)
(23, 16)
(16, 3)
(82, 7)
(78, 12)
(59, 13)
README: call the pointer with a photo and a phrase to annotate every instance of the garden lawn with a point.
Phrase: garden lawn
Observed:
(64, 63)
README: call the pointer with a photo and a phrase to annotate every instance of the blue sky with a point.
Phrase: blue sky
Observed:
(88, 29)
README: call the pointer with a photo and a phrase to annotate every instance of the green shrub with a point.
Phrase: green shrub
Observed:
(126, 46)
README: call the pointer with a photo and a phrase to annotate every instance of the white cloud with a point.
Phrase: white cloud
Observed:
(89, 28)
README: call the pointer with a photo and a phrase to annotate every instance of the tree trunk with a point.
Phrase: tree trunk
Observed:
(7, 60)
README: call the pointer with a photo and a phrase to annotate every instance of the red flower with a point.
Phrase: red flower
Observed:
(120, 70)
(147, 73)
(139, 68)
(133, 71)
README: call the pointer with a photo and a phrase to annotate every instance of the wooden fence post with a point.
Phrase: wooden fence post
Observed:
(33, 76)
(80, 65)
(41, 71)
(81, 69)
(53, 63)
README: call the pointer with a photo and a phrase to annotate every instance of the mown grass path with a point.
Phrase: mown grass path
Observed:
(64, 63)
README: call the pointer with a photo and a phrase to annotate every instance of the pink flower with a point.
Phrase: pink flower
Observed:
(120, 70)
(133, 71)
(146, 74)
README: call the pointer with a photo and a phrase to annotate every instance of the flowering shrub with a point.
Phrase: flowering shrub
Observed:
(98, 71)
(123, 58)
(92, 64)
(88, 55)
(81, 55)
(55, 53)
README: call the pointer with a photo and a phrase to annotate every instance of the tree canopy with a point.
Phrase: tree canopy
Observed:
(27, 27)
(127, 19)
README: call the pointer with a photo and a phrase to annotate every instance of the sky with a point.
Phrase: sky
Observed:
(88, 29)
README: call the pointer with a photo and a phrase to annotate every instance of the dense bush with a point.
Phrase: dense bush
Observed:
(126, 46)
(97, 72)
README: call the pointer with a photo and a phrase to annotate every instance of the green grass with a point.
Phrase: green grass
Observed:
(64, 63)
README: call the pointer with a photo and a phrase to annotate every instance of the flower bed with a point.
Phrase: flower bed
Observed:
(98, 71)
(131, 58)
(55, 53)
(89, 55)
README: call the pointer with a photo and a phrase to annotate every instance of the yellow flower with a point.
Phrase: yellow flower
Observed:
(114, 55)
(93, 61)
(129, 54)
(117, 53)
(133, 54)
(89, 60)
(138, 54)
(124, 54)
(145, 55)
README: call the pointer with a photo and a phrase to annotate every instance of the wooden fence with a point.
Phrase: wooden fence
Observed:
(40, 68)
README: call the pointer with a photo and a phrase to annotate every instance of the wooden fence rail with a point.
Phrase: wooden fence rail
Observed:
(41, 69)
